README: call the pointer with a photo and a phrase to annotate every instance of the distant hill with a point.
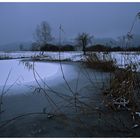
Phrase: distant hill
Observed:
(17, 46)
(135, 42)
(105, 41)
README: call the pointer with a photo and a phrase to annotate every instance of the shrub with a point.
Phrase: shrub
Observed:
(98, 47)
(67, 48)
(122, 93)
(51, 47)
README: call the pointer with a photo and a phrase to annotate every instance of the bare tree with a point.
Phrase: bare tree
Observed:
(83, 40)
(43, 34)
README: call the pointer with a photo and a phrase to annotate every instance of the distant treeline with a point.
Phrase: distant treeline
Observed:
(51, 47)
(97, 47)
(103, 48)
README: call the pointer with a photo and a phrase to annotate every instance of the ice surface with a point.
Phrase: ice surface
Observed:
(47, 70)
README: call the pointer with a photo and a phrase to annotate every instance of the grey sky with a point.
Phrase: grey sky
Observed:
(18, 20)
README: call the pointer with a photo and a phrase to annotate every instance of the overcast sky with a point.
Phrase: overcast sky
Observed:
(18, 20)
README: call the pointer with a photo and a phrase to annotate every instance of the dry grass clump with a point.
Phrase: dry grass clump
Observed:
(101, 62)
(122, 91)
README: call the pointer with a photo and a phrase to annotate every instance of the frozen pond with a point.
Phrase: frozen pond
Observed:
(21, 74)
(25, 99)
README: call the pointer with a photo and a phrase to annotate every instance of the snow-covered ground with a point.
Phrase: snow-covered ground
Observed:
(121, 58)
(75, 56)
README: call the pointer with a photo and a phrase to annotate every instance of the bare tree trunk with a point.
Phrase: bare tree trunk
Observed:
(84, 50)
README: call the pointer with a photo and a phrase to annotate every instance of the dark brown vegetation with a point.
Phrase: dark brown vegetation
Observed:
(122, 91)
(100, 62)
(51, 47)
(104, 48)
